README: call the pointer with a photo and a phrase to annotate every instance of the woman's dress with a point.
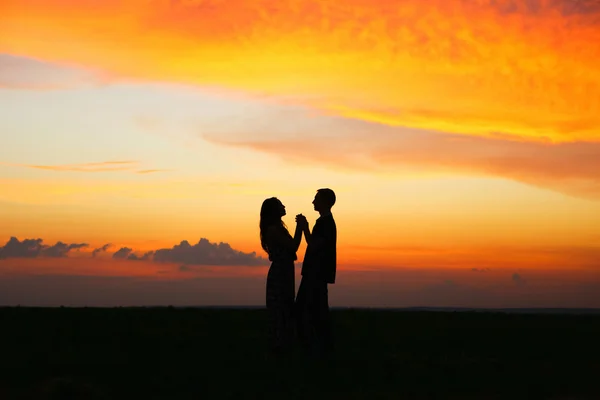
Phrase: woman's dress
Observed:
(280, 295)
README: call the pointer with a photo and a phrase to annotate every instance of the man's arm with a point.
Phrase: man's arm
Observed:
(314, 241)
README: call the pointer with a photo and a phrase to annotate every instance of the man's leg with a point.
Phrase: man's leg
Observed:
(323, 318)
(309, 296)
(327, 333)
(301, 314)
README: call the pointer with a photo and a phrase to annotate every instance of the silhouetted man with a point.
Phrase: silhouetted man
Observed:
(318, 270)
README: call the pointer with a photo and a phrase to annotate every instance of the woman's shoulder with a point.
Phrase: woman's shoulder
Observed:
(273, 231)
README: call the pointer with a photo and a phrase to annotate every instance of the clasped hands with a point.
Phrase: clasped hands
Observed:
(301, 221)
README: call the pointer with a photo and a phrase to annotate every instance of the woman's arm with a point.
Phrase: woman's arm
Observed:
(297, 236)
(277, 236)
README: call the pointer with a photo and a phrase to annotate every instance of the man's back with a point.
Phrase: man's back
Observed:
(321, 256)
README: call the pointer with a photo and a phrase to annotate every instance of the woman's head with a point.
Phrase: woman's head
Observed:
(270, 214)
(272, 209)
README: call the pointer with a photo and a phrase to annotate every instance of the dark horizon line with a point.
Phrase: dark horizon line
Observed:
(521, 310)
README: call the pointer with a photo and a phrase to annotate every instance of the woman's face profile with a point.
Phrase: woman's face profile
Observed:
(282, 208)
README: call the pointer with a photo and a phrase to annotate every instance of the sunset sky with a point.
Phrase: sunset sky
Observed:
(462, 139)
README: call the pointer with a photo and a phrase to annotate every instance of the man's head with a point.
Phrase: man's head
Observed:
(324, 200)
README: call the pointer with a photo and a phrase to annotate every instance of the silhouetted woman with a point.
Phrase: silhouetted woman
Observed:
(281, 248)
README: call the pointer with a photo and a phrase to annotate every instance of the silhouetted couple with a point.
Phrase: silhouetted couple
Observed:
(308, 315)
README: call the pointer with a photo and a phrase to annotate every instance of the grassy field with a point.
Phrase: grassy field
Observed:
(167, 353)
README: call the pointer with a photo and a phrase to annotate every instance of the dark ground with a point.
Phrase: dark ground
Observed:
(212, 354)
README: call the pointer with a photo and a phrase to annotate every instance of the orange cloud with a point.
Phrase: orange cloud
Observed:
(524, 69)
(570, 168)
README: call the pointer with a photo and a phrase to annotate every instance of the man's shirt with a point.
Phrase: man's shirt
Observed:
(321, 256)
